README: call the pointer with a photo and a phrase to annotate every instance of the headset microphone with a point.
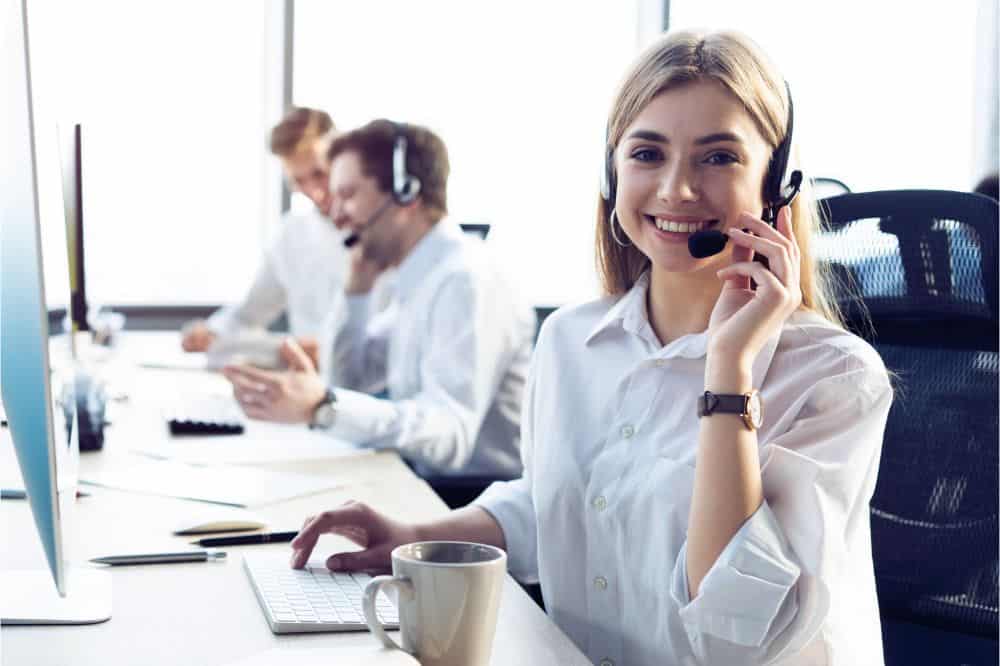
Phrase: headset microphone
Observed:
(353, 239)
(703, 244)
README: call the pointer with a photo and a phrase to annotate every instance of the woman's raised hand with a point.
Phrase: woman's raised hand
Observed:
(743, 319)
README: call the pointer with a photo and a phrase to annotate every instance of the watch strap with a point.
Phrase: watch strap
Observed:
(722, 403)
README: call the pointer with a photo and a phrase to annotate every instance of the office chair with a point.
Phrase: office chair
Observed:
(541, 312)
(924, 265)
(481, 230)
(827, 187)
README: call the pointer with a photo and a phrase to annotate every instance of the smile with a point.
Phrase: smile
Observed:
(686, 227)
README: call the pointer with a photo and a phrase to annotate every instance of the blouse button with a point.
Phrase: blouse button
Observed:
(627, 431)
(607, 662)
(600, 503)
(601, 583)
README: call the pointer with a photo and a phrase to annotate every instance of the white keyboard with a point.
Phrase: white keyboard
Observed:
(312, 599)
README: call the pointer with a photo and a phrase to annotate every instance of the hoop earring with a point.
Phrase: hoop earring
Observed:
(611, 221)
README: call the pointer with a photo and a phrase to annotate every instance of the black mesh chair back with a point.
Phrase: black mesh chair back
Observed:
(827, 187)
(924, 264)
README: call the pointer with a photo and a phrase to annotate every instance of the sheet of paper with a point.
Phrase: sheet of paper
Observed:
(173, 360)
(234, 486)
(260, 443)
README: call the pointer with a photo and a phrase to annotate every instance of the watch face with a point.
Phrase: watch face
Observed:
(325, 415)
(755, 414)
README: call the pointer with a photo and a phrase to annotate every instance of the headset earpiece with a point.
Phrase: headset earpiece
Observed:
(609, 182)
(405, 186)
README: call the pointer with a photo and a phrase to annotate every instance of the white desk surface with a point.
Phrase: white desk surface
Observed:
(206, 613)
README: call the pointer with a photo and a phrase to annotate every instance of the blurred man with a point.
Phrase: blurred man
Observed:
(303, 271)
(452, 347)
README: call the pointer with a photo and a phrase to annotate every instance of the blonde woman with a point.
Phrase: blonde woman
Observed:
(701, 444)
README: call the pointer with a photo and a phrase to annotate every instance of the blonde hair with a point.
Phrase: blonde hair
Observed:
(298, 130)
(737, 63)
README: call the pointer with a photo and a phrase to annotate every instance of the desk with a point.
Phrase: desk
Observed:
(205, 613)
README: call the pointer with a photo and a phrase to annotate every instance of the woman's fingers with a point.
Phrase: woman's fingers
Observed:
(328, 521)
(377, 558)
(353, 520)
(769, 288)
(784, 225)
(777, 254)
(781, 234)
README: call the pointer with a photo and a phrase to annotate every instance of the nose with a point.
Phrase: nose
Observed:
(336, 212)
(678, 184)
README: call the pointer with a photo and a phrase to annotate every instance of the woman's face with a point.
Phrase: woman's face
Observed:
(692, 159)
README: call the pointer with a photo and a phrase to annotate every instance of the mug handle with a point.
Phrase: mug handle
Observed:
(404, 588)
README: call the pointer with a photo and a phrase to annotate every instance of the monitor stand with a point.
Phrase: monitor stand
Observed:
(30, 597)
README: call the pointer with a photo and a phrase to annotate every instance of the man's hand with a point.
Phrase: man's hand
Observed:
(310, 346)
(289, 396)
(196, 336)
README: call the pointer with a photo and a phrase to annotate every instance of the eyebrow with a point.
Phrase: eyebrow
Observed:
(649, 135)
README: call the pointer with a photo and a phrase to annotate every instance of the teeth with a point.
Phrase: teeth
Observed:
(679, 227)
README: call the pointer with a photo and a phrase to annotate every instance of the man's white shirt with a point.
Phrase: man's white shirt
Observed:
(302, 274)
(452, 350)
(600, 517)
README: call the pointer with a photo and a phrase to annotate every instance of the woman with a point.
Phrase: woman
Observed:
(664, 531)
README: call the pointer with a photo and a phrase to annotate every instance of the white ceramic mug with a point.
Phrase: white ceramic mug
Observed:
(448, 595)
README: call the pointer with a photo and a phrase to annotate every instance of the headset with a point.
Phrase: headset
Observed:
(780, 189)
(405, 186)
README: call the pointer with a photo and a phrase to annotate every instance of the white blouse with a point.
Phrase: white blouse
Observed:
(609, 436)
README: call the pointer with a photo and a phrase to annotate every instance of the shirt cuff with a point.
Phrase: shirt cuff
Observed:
(745, 597)
(509, 502)
(363, 419)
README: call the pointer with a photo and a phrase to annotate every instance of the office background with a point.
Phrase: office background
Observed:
(176, 100)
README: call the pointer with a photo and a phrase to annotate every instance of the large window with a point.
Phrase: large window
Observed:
(175, 99)
(884, 91)
(518, 90)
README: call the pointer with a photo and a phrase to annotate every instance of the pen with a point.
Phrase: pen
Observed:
(246, 539)
(17, 493)
(163, 558)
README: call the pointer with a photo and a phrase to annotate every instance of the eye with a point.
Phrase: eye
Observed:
(721, 159)
(646, 155)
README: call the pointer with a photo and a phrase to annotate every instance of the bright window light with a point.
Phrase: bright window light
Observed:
(518, 90)
(175, 99)
(883, 91)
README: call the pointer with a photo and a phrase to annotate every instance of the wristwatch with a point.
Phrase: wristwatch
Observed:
(325, 413)
(747, 405)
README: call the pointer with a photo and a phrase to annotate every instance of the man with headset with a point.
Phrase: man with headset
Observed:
(454, 344)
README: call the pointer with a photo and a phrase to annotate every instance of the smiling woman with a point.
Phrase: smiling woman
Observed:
(724, 145)
(701, 444)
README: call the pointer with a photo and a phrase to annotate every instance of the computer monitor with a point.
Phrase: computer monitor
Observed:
(71, 148)
(43, 437)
